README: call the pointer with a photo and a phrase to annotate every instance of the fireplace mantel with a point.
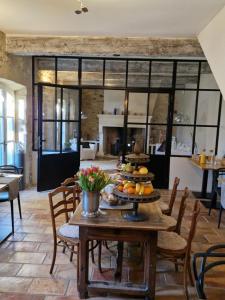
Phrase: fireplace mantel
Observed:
(107, 120)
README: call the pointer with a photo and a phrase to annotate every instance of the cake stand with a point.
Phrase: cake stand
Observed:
(134, 215)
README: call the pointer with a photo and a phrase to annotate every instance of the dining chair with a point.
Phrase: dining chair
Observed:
(71, 182)
(62, 203)
(181, 210)
(167, 208)
(203, 262)
(173, 247)
(216, 194)
(219, 192)
(4, 196)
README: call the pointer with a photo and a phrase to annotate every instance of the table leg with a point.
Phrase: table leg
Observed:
(119, 262)
(150, 264)
(83, 265)
(214, 186)
(204, 184)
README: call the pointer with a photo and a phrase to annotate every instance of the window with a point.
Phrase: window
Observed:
(12, 126)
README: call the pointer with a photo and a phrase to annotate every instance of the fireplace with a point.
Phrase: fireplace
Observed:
(111, 133)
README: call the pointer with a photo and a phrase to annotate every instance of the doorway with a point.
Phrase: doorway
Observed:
(147, 121)
(58, 134)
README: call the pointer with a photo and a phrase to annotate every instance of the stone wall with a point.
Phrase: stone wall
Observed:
(92, 105)
(85, 45)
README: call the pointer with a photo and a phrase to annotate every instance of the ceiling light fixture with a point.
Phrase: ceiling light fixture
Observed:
(82, 9)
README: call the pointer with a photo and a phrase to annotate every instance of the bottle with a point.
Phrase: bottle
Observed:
(202, 157)
(212, 156)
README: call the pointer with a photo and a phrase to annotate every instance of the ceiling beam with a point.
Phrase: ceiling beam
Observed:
(133, 46)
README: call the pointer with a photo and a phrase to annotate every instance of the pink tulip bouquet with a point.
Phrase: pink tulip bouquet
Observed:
(93, 179)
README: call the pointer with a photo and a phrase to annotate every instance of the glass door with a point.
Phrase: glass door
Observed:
(148, 123)
(58, 134)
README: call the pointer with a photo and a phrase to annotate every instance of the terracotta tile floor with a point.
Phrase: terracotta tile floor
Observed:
(25, 257)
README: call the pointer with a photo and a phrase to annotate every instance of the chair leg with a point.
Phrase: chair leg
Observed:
(12, 215)
(53, 257)
(190, 273)
(220, 215)
(71, 254)
(100, 256)
(186, 279)
(19, 205)
(78, 265)
(92, 252)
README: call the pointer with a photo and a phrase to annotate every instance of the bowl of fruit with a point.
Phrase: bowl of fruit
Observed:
(140, 173)
(136, 191)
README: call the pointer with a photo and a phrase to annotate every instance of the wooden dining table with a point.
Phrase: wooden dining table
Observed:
(5, 180)
(206, 168)
(111, 226)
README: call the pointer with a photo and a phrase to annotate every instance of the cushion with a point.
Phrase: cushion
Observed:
(4, 196)
(69, 231)
(171, 241)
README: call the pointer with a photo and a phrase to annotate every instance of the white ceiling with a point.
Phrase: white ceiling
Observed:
(163, 18)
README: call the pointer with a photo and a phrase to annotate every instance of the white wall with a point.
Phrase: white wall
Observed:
(190, 175)
(212, 41)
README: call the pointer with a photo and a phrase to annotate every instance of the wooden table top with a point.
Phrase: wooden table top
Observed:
(10, 175)
(114, 219)
(207, 166)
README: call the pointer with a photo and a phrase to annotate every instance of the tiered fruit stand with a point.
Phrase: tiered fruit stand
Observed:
(134, 215)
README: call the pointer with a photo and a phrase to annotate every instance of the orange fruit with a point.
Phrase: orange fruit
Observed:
(120, 188)
(148, 190)
(131, 190)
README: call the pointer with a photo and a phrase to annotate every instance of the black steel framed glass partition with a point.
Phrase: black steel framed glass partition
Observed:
(192, 86)
(172, 106)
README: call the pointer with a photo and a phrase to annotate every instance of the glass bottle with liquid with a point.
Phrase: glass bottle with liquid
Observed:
(202, 159)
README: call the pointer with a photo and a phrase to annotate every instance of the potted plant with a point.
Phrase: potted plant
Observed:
(92, 181)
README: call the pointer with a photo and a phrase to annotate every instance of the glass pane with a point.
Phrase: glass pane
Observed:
(115, 73)
(208, 108)
(10, 129)
(156, 142)
(1, 102)
(137, 107)
(207, 80)
(67, 71)
(2, 160)
(112, 102)
(70, 132)
(45, 70)
(49, 105)
(21, 109)
(161, 74)
(51, 137)
(10, 153)
(184, 107)
(205, 138)
(92, 72)
(187, 75)
(135, 134)
(182, 138)
(158, 108)
(2, 130)
(70, 109)
(10, 105)
(138, 73)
